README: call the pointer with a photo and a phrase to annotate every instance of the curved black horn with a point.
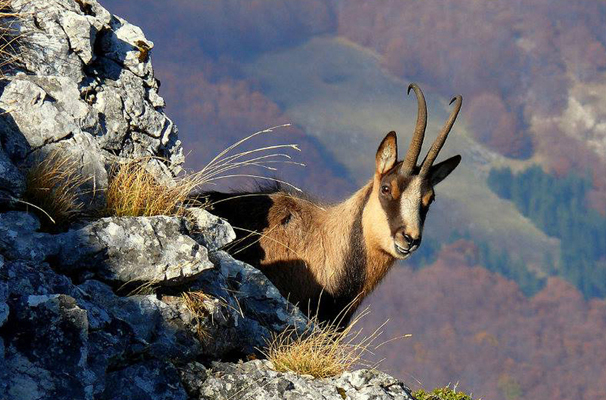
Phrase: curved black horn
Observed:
(412, 155)
(432, 154)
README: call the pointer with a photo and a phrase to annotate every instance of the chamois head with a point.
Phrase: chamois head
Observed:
(403, 191)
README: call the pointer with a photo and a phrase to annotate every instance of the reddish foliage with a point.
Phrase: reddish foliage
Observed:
(522, 53)
(494, 125)
(584, 52)
(476, 328)
(567, 154)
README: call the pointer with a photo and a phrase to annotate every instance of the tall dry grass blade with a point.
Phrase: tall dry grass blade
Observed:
(225, 162)
(261, 235)
(9, 35)
(257, 161)
(239, 142)
(34, 206)
(211, 204)
(256, 177)
(194, 302)
(230, 160)
(406, 336)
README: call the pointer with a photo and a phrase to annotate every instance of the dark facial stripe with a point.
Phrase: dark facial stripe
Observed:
(391, 203)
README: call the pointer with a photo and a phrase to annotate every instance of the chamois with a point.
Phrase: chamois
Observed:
(328, 258)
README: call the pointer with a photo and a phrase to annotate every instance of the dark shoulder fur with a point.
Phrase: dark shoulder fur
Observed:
(247, 212)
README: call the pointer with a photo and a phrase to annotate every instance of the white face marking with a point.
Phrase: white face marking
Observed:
(410, 207)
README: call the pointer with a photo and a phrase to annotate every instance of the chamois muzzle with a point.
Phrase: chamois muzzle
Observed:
(405, 243)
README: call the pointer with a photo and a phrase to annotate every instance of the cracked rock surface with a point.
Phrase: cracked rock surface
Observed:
(64, 311)
(85, 86)
(99, 310)
(255, 380)
(134, 249)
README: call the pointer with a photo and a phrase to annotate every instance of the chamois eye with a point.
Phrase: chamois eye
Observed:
(385, 189)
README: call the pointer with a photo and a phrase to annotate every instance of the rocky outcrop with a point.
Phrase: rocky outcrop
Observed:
(64, 311)
(151, 249)
(257, 380)
(85, 85)
(100, 311)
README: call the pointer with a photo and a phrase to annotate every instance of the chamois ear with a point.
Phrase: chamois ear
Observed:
(387, 154)
(438, 172)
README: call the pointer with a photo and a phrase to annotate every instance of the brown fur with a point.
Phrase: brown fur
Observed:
(305, 249)
(316, 242)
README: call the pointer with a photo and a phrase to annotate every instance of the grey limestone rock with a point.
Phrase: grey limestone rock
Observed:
(258, 293)
(86, 84)
(12, 181)
(256, 380)
(30, 278)
(51, 358)
(147, 380)
(154, 249)
(371, 384)
(19, 239)
(4, 310)
(152, 327)
(241, 311)
(134, 249)
(209, 230)
(3, 369)
(46, 109)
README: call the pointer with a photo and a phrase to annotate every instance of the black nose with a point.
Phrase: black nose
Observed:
(410, 241)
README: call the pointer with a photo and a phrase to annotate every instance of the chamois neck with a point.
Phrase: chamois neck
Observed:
(366, 263)
(349, 206)
(345, 246)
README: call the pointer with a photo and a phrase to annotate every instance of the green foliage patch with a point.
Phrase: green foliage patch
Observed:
(558, 207)
(444, 393)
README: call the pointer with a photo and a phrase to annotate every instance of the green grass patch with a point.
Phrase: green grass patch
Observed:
(444, 393)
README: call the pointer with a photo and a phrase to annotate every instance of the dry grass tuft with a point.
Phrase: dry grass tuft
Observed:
(8, 35)
(322, 350)
(134, 192)
(194, 301)
(141, 289)
(53, 189)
